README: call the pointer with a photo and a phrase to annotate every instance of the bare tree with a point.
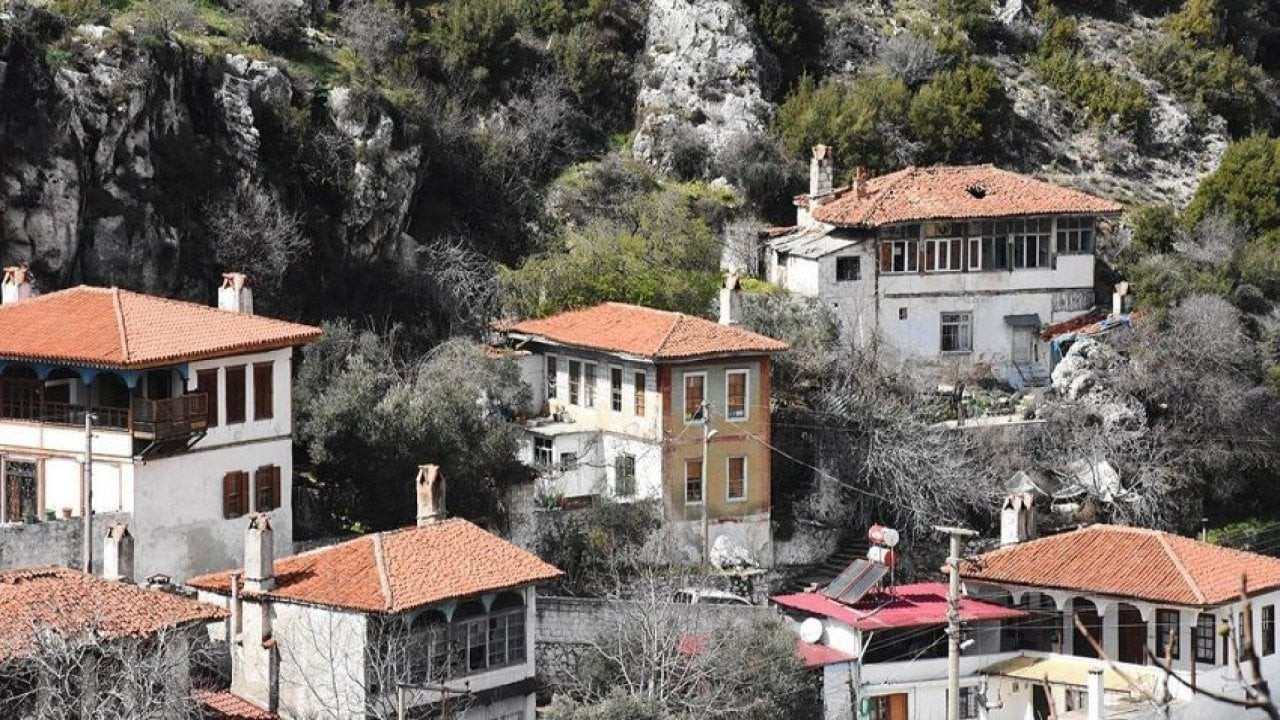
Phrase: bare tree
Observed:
(251, 229)
(377, 30)
(463, 280)
(910, 56)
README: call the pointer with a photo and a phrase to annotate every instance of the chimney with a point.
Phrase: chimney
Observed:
(859, 184)
(731, 300)
(1120, 299)
(235, 294)
(16, 286)
(259, 555)
(1096, 702)
(821, 172)
(1017, 519)
(117, 553)
(430, 488)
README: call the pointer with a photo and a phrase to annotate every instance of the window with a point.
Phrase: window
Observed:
(1204, 639)
(988, 246)
(266, 488)
(207, 383)
(736, 478)
(615, 389)
(1268, 629)
(735, 394)
(902, 313)
(640, 382)
(957, 335)
(551, 377)
(575, 381)
(235, 394)
(887, 707)
(1075, 699)
(486, 642)
(693, 482)
(1031, 242)
(542, 452)
(970, 703)
(568, 461)
(1168, 622)
(263, 391)
(22, 484)
(899, 256)
(1075, 235)
(848, 269)
(624, 475)
(694, 393)
(943, 247)
(588, 384)
(235, 494)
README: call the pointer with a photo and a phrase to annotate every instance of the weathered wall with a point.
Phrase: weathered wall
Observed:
(57, 542)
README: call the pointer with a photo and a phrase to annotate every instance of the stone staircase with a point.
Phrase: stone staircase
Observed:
(820, 575)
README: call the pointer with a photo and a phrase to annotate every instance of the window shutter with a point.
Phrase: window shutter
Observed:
(243, 482)
(230, 484)
(275, 487)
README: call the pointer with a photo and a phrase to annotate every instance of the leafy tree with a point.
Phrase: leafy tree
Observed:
(862, 118)
(959, 113)
(476, 39)
(599, 547)
(1154, 228)
(1246, 185)
(368, 414)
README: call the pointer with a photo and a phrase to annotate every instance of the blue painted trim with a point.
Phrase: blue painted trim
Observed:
(43, 370)
(87, 374)
(131, 377)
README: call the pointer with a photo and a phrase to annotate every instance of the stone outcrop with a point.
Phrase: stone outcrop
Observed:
(1084, 377)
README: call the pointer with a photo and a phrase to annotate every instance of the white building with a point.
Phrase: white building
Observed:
(952, 270)
(441, 615)
(191, 416)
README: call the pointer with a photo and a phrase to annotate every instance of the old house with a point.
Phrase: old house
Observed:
(948, 268)
(430, 618)
(190, 414)
(632, 402)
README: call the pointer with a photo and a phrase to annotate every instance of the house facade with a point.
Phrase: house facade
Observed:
(620, 394)
(189, 408)
(949, 269)
(437, 618)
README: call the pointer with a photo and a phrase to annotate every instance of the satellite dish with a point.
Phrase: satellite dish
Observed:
(811, 630)
(882, 535)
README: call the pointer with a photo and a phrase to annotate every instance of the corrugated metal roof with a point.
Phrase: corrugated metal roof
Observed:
(814, 241)
(902, 606)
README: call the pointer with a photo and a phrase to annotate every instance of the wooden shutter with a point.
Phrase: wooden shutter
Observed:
(267, 480)
(235, 494)
(263, 392)
(235, 394)
(275, 486)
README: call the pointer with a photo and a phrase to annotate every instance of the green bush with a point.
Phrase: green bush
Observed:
(1090, 86)
(1217, 80)
(1246, 185)
(476, 38)
(1155, 229)
(599, 75)
(972, 18)
(958, 113)
(862, 118)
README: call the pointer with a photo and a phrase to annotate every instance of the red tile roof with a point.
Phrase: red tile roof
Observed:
(814, 655)
(901, 606)
(1128, 562)
(110, 327)
(645, 332)
(70, 602)
(224, 705)
(952, 192)
(400, 570)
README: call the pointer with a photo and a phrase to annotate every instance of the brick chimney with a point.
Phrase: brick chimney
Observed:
(822, 169)
(731, 300)
(259, 555)
(1018, 519)
(235, 294)
(859, 184)
(16, 286)
(117, 553)
(430, 488)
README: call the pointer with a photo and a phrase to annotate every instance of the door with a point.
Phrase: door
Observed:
(1039, 702)
(1026, 346)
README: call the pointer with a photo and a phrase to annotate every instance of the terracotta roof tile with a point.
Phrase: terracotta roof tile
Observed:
(225, 705)
(645, 332)
(1129, 562)
(117, 328)
(415, 567)
(945, 192)
(71, 601)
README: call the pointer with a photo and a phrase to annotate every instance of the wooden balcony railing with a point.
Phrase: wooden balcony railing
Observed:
(177, 417)
(180, 416)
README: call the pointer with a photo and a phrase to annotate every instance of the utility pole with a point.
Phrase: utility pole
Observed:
(86, 505)
(706, 501)
(953, 618)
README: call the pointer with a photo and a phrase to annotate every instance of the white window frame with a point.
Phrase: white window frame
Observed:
(640, 390)
(937, 248)
(621, 390)
(551, 368)
(574, 394)
(746, 475)
(746, 393)
(684, 481)
(590, 379)
(910, 251)
(974, 261)
(1077, 230)
(550, 446)
(684, 394)
(967, 322)
(1023, 231)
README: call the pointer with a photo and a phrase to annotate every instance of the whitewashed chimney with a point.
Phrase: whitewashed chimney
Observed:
(117, 553)
(1096, 700)
(259, 555)
(16, 286)
(1018, 519)
(1120, 299)
(430, 489)
(235, 294)
(822, 169)
(731, 300)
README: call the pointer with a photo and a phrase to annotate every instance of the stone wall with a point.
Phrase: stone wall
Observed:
(53, 542)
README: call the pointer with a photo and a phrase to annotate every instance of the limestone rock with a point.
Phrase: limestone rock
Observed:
(727, 555)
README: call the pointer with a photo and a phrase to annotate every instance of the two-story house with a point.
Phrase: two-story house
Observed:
(438, 620)
(633, 402)
(189, 410)
(947, 268)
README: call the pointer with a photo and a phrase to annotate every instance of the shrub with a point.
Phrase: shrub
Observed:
(1246, 185)
(163, 18)
(959, 113)
(377, 30)
(82, 12)
(910, 56)
(599, 75)
(862, 118)
(476, 38)
(757, 165)
(1216, 80)
(276, 24)
(1094, 88)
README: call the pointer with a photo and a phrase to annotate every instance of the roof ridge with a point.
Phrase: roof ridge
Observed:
(384, 577)
(1182, 569)
(907, 172)
(675, 322)
(124, 335)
